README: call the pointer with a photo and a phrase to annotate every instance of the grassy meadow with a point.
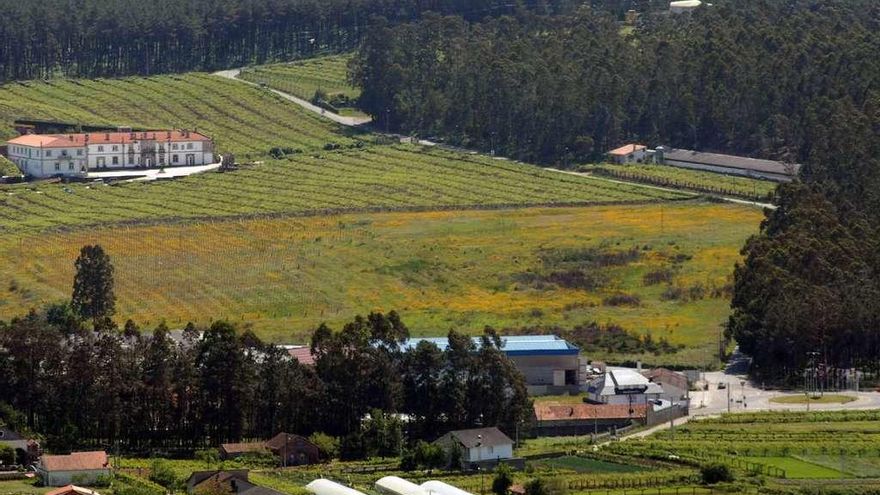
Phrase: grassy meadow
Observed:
(441, 269)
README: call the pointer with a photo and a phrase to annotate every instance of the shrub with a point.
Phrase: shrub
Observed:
(329, 446)
(716, 473)
(502, 481)
(622, 300)
(162, 474)
(659, 276)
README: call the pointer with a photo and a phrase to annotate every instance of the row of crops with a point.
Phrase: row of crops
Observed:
(695, 180)
(377, 177)
(242, 119)
(303, 78)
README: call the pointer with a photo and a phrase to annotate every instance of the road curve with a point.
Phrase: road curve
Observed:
(339, 119)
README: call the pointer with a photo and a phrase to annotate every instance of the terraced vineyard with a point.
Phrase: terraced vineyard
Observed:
(303, 78)
(694, 180)
(373, 178)
(242, 119)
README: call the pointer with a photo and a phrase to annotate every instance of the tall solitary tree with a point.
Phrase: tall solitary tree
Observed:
(93, 296)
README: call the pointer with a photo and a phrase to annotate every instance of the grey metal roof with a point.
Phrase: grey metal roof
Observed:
(484, 437)
(513, 345)
(731, 161)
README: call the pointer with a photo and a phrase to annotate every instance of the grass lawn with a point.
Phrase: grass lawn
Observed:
(824, 399)
(797, 468)
(22, 487)
(586, 465)
(867, 466)
(440, 270)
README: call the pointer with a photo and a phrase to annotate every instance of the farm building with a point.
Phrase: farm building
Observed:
(628, 153)
(291, 450)
(49, 155)
(675, 385)
(549, 363)
(622, 386)
(323, 486)
(86, 467)
(441, 488)
(392, 485)
(478, 446)
(583, 419)
(727, 164)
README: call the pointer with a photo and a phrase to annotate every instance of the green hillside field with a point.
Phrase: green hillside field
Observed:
(439, 269)
(303, 78)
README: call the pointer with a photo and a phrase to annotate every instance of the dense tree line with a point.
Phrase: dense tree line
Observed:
(100, 38)
(70, 374)
(749, 77)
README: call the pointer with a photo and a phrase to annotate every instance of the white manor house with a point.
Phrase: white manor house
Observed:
(48, 155)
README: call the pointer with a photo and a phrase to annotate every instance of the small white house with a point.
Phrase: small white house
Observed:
(79, 467)
(628, 153)
(478, 445)
(623, 386)
(49, 155)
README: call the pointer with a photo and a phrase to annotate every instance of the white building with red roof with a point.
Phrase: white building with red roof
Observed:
(48, 155)
(628, 153)
(84, 467)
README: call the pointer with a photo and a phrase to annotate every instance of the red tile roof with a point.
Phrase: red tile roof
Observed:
(571, 412)
(241, 448)
(627, 149)
(79, 140)
(303, 355)
(72, 490)
(77, 461)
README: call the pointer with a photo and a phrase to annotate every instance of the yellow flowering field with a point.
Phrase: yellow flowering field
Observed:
(440, 270)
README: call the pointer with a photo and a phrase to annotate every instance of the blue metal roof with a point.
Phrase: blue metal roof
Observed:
(515, 345)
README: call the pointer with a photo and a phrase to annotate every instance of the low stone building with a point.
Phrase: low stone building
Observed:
(82, 468)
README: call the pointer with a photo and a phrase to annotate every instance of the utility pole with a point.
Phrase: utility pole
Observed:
(728, 397)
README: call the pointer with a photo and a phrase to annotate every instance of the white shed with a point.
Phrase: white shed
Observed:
(682, 6)
(392, 485)
(434, 487)
(323, 486)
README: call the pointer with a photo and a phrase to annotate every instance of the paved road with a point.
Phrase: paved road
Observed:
(152, 173)
(339, 119)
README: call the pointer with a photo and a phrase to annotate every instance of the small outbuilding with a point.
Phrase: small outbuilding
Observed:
(291, 450)
(84, 467)
(583, 419)
(628, 153)
(478, 446)
(622, 386)
(72, 490)
(682, 6)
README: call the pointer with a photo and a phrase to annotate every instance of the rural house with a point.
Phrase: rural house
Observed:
(72, 155)
(291, 450)
(628, 153)
(478, 446)
(26, 450)
(550, 364)
(81, 467)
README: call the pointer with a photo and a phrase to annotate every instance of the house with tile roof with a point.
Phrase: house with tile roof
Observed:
(291, 450)
(584, 419)
(628, 153)
(81, 467)
(73, 155)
